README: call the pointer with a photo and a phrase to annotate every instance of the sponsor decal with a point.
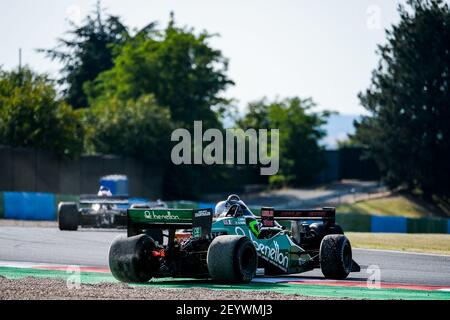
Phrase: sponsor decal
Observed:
(273, 254)
(234, 222)
(150, 214)
(269, 253)
(202, 213)
(197, 232)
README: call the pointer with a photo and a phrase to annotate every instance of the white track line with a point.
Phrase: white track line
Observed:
(404, 252)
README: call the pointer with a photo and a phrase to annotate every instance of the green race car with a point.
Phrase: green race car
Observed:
(230, 244)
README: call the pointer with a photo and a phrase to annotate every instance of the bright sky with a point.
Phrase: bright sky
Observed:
(324, 49)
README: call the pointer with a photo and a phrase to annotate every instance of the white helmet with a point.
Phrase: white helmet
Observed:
(221, 208)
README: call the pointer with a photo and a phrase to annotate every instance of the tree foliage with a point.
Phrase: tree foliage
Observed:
(88, 50)
(136, 128)
(179, 67)
(408, 131)
(301, 156)
(31, 115)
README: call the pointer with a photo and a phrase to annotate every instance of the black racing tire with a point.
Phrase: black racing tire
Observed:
(335, 256)
(319, 230)
(232, 259)
(68, 216)
(131, 260)
(337, 229)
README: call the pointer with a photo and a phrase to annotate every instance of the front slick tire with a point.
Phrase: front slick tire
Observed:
(335, 256)
(130, 259)
(232, 259)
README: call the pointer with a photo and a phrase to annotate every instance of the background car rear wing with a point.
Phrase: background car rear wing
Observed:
(269, 215)
(95, 199)
(199, 220)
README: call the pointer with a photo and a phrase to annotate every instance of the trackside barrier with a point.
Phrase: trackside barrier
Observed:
(428, 225)
(65, 198)
(29, 206)
(205, 205)
(1, 205)
(43, 206)
(182, 204)
(354, 222)
(137, 200)
(389, 224)
(132, 201)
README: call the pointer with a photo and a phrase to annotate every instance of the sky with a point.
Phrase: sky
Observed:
(324, 49)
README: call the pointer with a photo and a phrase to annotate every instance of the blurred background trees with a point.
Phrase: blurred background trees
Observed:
(177, 66)
(85, 52)
(134, 128)
(407, 130)
(301, 156)
(123, 92)
(130, 89)
(32, 116)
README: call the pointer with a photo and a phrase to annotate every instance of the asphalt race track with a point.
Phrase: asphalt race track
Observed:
(90, 247)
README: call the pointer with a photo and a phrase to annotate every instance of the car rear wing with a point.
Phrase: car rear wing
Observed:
(199, 220)
(95, 199)
(269, 215)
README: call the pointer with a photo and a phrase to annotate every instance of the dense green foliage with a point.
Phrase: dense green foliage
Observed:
(301, 157)
(408, 129)
(89, 50)
(132, 90)
(179, 67)
(31, 116)
(134, 128)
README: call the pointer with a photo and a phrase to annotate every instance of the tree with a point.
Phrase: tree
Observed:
(31, 115)
(407, 131)
(137, 128)
(180, 68)
(301, 156)
(88, 51)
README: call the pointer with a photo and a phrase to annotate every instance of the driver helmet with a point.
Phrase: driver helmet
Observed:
(104, 192)
(222, 207)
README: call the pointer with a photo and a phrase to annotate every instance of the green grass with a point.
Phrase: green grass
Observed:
(423, 243)
(397, 205)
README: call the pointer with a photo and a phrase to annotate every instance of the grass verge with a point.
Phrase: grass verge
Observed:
(390, 206)
(423, 243)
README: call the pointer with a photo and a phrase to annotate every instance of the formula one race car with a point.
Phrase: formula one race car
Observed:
(230, 249)
(98, 211)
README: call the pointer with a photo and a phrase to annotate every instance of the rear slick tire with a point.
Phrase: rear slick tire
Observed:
(130, 259)
(232, 259)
